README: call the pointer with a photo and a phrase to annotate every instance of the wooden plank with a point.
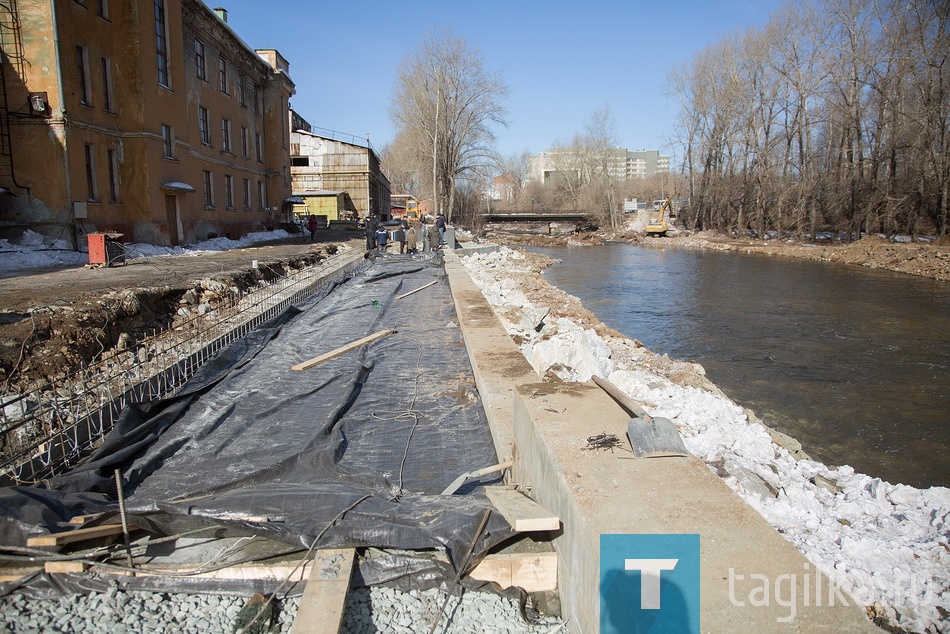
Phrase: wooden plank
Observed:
(342, 350)
(418, 289)
(80, 520)
(321, 606)
(524, 514)
(289, 571)
(533, 572)
(65, 566)
(8, 574)
(78, 535)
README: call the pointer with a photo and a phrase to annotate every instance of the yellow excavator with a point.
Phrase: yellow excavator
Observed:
(661, 227)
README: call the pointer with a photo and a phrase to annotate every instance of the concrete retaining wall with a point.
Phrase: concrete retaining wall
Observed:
(544, 427)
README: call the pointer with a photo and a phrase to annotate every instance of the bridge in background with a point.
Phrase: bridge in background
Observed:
(539, 216)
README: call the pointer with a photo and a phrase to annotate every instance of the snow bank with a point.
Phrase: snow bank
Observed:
(34, 251)
(881, 543)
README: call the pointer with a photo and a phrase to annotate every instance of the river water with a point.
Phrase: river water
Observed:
(853, 362)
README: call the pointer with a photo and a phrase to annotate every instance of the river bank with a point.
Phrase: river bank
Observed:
(884, 544)
(925, 259)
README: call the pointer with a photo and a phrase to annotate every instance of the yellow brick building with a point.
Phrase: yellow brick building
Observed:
(151, 118)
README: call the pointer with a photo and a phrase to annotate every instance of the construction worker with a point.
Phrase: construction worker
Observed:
(370, 228)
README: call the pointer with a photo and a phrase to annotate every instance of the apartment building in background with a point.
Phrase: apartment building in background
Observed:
(622, 164)
(150, 118)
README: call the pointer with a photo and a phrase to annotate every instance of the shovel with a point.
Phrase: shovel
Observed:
(649, 437)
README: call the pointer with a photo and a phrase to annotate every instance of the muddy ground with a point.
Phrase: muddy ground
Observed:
(52, 321)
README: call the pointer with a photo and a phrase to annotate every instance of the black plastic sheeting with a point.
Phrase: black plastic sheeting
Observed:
(353, 452)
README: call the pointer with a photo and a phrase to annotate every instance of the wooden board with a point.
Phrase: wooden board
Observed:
(290, 571)
(341, 350)
(524, 514)
(321, 606)
(8, 574)
(78, 535)
(65, 566)
(418, 289)
(534, 572)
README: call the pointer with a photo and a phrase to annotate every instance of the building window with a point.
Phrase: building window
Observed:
(242, 89)
(260, 195)
(168, 142)
(223, 74)
(244, 142)
(257, 146)
(161, 43)
(229, 191)
(258, 100)
(225, 136)
(247, 194)
(200, 60)
(82, 60)
(113, 176)
(103, 9)
(204, 126)
(93, 194)
(107, 94)
(209, 193)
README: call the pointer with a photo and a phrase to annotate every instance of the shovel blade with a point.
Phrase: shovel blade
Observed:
(655, 438)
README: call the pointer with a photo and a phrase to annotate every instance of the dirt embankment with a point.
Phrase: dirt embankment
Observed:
(87, 313)
(931, 260)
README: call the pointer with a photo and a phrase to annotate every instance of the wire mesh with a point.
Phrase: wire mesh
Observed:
(49, 429)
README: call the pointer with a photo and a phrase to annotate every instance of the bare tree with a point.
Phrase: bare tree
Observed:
(834, 116)
(401, 163)
(445, 96)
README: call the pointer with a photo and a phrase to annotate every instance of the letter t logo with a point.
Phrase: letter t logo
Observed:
(649, 579)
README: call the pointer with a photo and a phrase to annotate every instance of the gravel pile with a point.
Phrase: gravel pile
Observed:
(375, 609)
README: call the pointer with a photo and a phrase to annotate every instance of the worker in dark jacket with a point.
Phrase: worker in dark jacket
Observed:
(382, 235)
(370, 225)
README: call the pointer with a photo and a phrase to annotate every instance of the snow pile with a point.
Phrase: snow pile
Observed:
(881, 543)
(34, 251)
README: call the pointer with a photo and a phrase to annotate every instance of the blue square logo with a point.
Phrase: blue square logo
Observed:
(649, 583)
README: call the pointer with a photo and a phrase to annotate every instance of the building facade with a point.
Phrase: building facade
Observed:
(322, 165)
(150, 118)
(622, 164)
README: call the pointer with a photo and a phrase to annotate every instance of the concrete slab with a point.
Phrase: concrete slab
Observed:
(497, 363)
(599, 492)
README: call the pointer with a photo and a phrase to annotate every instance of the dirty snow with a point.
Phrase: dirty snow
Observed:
(881, 543)
(34, 251)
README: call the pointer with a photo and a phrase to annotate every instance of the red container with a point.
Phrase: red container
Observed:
(104, 248)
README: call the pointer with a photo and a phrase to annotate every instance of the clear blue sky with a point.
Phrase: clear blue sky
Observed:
(562, 60)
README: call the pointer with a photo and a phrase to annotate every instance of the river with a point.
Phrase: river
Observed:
(853, 362)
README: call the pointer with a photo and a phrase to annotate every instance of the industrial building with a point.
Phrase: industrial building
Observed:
(336, 177)
(150, 118)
